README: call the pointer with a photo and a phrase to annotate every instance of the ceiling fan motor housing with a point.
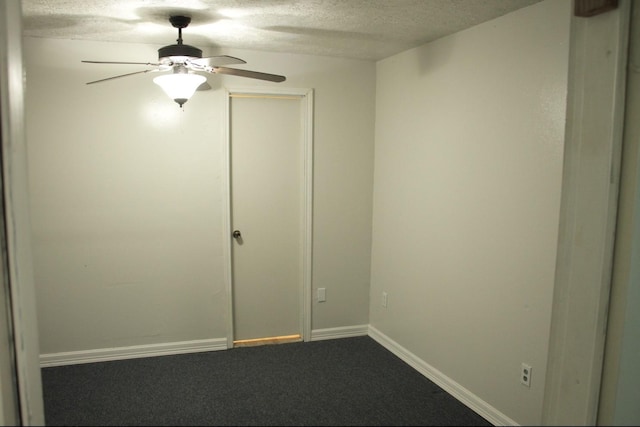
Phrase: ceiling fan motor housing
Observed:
(179, 50)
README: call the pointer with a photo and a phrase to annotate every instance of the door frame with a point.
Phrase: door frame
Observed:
(588, 213)
(19, 297)
(306, 160)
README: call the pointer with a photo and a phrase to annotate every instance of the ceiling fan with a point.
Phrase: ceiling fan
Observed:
(180, 61)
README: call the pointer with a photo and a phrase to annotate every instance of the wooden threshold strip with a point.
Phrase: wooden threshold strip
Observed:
(269, 340)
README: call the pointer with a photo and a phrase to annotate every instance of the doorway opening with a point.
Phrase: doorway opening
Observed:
(268, 218)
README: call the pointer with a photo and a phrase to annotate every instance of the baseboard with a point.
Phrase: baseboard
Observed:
(343, 332)
(132, 352)
(165, 349)
(469, 399)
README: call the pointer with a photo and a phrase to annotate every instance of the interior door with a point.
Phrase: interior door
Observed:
(266, 183)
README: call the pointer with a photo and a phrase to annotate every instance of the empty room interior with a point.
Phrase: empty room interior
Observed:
(470, 203)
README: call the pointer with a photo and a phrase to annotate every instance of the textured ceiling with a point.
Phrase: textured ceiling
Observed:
(363, 29)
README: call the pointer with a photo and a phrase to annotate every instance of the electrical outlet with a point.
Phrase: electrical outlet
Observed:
(384, 300)
(322, 294)
(525, 375)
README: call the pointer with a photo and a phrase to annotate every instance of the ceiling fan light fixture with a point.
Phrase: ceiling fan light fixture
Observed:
(180, 86)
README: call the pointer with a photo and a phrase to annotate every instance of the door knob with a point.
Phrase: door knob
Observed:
(237, 234)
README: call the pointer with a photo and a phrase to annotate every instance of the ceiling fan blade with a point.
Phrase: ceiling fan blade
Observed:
(214, 61)
(112, 62)
(121, 75)
(204, 86)
(248, 73)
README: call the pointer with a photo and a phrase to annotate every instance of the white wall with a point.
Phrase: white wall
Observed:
(468, 171)
(126, 195)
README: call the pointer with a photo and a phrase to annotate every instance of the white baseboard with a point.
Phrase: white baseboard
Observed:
(132, 352)
(343, 332)
(165, 349)
(469, 399)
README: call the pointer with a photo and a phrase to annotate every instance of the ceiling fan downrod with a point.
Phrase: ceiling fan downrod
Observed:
(179, 49)
(180, 22)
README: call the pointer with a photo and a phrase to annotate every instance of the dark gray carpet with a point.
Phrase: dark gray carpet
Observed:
(347, 381)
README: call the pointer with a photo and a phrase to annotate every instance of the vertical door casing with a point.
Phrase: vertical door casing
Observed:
(21, 292)
(588, 212)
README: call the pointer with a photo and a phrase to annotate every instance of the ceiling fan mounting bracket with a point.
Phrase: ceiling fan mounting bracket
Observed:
(180, 21)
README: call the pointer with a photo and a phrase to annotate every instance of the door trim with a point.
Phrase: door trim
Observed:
(23, 325)
(306, 96)
(588, 214)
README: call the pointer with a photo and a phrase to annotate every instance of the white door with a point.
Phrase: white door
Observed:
(267, 205)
